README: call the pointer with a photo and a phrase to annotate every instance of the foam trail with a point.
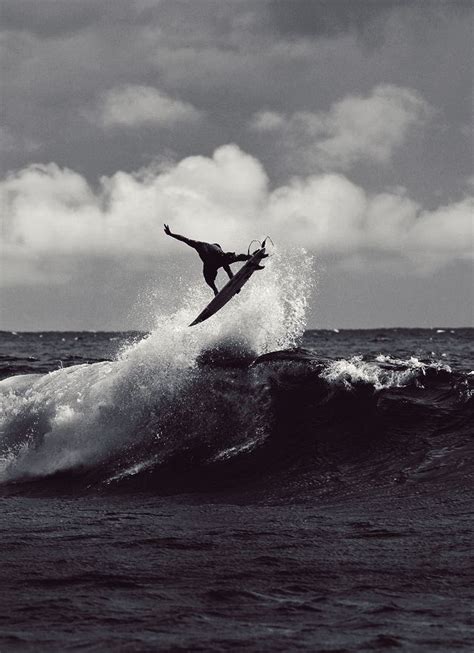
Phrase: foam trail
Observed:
(356, 370)
(84, 415)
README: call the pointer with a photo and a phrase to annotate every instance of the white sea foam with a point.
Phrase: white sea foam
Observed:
(414, 363)
(356, 370)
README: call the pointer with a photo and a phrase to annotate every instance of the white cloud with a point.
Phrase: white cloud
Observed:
(267, 121)
(134, 105)
(51, 215)
(355, 128)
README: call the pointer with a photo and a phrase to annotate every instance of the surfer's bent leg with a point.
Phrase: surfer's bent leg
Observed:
(210, 274)
(227, 269)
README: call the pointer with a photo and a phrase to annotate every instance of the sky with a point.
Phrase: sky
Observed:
(340, 126)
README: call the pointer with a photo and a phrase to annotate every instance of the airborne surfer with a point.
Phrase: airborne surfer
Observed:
(213, 257)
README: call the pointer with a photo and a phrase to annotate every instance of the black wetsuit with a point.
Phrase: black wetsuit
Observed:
(213, 257)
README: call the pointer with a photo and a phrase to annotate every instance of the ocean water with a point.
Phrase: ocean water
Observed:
(246, 484)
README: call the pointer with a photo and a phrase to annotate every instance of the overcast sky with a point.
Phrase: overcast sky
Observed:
(344, 127)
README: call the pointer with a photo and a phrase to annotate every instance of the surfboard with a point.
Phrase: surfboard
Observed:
(232, 286)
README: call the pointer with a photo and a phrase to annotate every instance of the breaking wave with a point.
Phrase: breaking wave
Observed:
(80, 416)
(234, 403)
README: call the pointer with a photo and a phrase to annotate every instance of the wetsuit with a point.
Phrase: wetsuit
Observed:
(213, 257)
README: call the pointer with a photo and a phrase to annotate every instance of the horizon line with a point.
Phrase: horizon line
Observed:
(333, 329)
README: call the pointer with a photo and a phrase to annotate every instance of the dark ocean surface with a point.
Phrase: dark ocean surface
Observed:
(213, 489)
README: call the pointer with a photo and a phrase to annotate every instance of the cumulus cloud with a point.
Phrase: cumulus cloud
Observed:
(52, 214)
(134, 105)
(237, 59)
(354, 129)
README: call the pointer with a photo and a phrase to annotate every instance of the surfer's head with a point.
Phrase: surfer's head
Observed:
(230, 257)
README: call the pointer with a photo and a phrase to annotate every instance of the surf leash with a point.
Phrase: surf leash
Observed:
(261, 244)
(265, 241)
(251, 243)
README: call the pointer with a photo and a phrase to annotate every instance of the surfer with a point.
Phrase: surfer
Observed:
(213, 257)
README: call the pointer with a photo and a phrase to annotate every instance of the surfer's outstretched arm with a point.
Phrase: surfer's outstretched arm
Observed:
(183, 239)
